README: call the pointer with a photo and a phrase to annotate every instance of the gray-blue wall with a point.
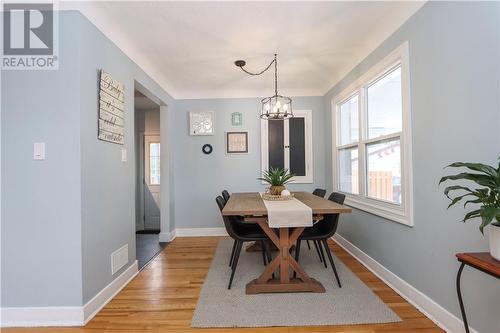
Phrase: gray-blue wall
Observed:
(41, 229)
(199, 178)
(455, 100)
(108, 184)
(63, 217)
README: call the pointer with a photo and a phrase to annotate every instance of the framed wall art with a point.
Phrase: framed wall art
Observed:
(236, 142)
(201, 123)
(111, 109)
(236, 118)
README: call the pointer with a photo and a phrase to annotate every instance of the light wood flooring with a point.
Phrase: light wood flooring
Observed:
(163, 296)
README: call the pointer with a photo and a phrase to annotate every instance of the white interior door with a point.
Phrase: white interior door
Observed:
(152, 182)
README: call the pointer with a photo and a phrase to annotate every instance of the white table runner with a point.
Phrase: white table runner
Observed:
(288, 214)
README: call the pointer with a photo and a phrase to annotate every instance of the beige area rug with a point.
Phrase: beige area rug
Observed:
(217, 306)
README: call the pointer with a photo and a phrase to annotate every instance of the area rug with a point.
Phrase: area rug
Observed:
(217, 306)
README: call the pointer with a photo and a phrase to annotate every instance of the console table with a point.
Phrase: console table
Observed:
(482, 261)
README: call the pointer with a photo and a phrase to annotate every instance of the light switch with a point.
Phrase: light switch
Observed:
(124, 155)
(39, 151)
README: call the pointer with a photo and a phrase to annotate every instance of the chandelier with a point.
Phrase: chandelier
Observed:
(275, 107)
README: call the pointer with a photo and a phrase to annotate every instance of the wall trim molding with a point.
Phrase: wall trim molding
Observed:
(167, 236)
(192, 232)
(435, 312)
(67, 315)
(41, 316)
(93, 306)
(199, 232)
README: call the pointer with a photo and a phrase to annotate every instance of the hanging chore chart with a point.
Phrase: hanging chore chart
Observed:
(111, 109)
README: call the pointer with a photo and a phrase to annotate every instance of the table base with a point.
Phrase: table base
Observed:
(284, 263)
(276, 286)
(257, 247)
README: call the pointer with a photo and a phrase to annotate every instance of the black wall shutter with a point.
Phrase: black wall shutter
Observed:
(297, 146)
(276, 144)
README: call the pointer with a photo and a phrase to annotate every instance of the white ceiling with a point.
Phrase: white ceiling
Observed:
(189, 48)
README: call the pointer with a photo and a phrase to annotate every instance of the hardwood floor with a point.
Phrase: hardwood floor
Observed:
(162, 298)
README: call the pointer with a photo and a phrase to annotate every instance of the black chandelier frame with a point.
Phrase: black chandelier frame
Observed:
(276, 107)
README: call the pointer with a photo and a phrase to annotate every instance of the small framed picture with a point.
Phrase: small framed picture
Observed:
(236, 142)
(201, 123)
(236, 118)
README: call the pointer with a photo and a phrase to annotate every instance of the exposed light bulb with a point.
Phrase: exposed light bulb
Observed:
(268, 107)
(275, 109)
(278, 104)
(285, 107)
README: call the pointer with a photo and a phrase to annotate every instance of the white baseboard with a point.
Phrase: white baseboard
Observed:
(191, 232)
(199, 232)
(92, 307)
(42, 316)
(66, 315)
(442, 317)
(167, 236)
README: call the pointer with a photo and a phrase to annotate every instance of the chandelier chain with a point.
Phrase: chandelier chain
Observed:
(263, 71)
(275, 74)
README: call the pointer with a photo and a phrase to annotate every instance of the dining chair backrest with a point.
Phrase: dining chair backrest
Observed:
(337, 197)
(330, 222)
(319, 192)
(225, 195)
(227, 220)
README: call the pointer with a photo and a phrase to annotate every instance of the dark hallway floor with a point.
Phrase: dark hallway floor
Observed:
(147, 247)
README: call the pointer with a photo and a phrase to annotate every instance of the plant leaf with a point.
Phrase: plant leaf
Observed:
(455, 188)
(486, 169)
(487, 215)
(457, 199)
(276, 176)
(471, 215)
(472, 201)
(479, 179)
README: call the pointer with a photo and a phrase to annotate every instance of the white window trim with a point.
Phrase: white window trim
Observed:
(308, 122)
(400, 213)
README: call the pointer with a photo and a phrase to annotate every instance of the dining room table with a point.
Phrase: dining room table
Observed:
(252, 208)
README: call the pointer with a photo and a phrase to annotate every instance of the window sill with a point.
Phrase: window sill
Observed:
(302, 180)
(382, 209)
(298, 180)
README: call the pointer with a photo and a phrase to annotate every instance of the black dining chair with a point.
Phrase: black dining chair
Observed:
(321, 232)
(242, 232)
(319, 192)
(226, 195)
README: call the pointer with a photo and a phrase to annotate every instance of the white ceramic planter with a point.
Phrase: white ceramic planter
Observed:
(495, 241)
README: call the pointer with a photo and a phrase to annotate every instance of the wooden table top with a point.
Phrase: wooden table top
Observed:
(251, 203)
(481, 260)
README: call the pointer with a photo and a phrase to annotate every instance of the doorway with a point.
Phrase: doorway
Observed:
(151, 186)
(148, 182)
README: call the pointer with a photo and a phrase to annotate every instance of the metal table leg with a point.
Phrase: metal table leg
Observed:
(460, 301)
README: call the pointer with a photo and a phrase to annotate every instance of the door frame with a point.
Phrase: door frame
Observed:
(166, 235)
(140, 180)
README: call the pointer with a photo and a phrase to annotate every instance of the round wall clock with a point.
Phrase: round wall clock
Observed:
(207, 149)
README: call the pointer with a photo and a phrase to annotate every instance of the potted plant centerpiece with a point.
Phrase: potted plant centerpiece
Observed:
(277, 178)
(486, 193)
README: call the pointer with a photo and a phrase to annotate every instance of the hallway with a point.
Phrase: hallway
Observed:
(147, 247)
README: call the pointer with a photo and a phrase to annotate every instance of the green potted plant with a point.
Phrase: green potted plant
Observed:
(486, 193)
(277, 178)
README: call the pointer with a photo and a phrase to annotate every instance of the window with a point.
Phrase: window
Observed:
(288, 144)
(372, 140)
(154, 163)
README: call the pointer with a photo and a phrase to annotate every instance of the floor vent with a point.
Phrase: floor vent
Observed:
(119, 258)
